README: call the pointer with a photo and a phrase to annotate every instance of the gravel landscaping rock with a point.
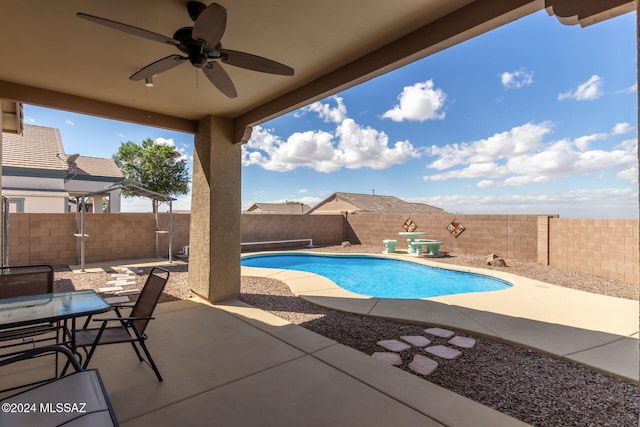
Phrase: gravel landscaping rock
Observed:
(533, 387)
(530, 386)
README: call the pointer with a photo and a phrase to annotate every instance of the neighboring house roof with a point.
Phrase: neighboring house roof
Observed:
(97, 167)
(369, 203)
(278, 208)
(39, 152)
(37, 148)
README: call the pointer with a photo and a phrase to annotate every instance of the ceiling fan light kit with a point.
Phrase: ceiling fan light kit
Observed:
(202, 47)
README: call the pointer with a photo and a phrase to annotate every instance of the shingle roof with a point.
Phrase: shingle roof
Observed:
(369, 203)
(37, 148)
(280, 208)
(41, 148)
(96, 166)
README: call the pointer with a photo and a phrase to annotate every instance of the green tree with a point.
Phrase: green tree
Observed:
(158, 167)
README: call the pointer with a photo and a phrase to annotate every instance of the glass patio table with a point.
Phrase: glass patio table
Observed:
(56, 307)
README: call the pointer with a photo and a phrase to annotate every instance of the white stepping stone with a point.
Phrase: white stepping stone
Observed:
(128, 292)
(109, 289)
(422, 365)
(439, 332)
(131, 270)
(463, 342)
(387, 357)
(443, 351)
(416, 340)
(394, 345)
(120, 282)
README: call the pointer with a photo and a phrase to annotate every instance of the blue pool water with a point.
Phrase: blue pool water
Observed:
(381, 277)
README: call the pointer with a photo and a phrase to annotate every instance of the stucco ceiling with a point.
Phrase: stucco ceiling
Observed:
(51, 57)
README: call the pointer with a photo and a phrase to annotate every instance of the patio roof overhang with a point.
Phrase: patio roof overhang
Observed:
(54, 59)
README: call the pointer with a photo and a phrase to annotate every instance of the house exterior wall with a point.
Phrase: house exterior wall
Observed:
(603, 247)
(28, 182)
(33, 194)
(44, 204)
(38, 195)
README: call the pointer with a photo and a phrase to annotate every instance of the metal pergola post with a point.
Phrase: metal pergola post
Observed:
(137, 190)
(5, 231)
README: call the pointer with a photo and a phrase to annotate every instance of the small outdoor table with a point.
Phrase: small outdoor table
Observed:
(56, 307)
(412, 235)
(59, 307)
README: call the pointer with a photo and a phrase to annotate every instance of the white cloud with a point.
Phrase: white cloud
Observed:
(350, 146)
(521, 139)
(164, 141)
(622, 128)
(475, 170)
(591, 203)
(631, 89)
(419, 102)
(170, 142)
(587, 91)
(328, 113)
(583, 142)
(520, 157)
(69, 122)
(29, 119)
(630, 174)
(516, 79)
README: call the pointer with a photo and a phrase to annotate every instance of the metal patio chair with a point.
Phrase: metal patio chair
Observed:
(24, 280)
(40, 406)
(131, 328)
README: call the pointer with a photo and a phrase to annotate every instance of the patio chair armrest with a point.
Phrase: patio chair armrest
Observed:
(42, 350)
(129, 304)
(112, 319)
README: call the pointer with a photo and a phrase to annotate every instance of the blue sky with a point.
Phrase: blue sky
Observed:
(532, 118)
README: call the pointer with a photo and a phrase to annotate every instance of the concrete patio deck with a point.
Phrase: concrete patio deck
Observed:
(594, 330)
(234, 365)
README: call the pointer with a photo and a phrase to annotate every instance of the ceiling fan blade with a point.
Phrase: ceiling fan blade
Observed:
(254, 62)
(195, 8)
(129, 29)
(210, 25)
(220, 79)
(158, 67)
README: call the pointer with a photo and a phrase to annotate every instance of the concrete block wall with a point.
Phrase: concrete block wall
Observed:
(603, 247)
(509, 236)
(49, 238)
(41, 239)
(323, 229)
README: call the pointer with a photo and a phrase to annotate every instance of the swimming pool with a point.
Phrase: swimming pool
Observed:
(381, 277)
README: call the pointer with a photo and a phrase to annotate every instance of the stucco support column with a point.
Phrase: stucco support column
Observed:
(115, 201)
(97, 204)
(2, 237)
(214, 242)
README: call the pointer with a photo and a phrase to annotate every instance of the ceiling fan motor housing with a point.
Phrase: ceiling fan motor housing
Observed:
(197, 50)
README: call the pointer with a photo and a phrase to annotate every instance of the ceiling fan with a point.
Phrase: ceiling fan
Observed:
(201, 45)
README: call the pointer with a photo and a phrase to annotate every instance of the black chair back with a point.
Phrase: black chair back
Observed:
(25, 280)
(149, 297)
